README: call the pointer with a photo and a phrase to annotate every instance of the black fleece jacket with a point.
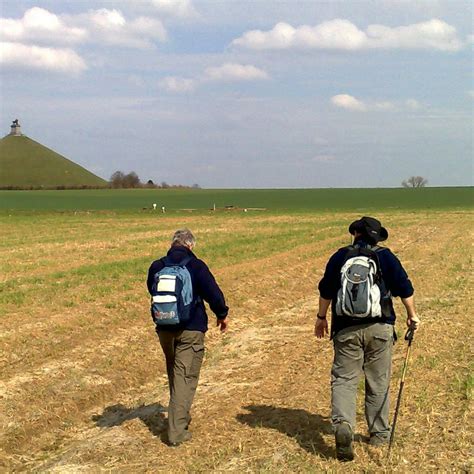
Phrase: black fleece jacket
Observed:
(205, 288)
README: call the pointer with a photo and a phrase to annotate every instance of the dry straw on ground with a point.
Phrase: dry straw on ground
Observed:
(83, 386)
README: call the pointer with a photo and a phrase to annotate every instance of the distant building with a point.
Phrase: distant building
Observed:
(15, 128)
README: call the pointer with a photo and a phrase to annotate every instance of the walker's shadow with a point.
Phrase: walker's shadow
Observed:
(307, 428)
(151, 415)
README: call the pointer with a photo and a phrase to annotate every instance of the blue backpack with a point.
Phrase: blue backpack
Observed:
(172, 294)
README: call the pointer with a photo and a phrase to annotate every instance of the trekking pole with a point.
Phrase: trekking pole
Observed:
(408, 337)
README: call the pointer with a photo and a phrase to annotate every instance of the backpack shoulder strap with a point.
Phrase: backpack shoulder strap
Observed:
(374, 250)
(347, 247)
(168, 263)
(185, 261)
(351, 251)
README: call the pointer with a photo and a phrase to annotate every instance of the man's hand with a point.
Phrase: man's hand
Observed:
(321, 328)
(223, 323)
(321, 325)
(413, 321)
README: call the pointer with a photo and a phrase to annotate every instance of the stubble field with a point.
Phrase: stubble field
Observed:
(83, 385)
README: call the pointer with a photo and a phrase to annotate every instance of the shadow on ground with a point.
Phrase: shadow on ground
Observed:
(305, 427)
(151, 415)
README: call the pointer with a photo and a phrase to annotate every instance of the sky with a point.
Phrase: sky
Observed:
(246, 94)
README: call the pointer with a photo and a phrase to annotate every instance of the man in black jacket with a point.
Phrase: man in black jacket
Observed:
(363, 344)
(183, 344)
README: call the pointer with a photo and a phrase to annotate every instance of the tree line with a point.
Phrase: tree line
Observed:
(131, 180)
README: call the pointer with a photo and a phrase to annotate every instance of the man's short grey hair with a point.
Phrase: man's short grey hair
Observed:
(183, 237)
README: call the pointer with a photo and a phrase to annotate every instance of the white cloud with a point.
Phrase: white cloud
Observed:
(384, 105)
(177, 84)
(111, 27)
(335, 34)
(471, 93)
(349, 102)
(346, 101)
(179, 8)
(412, 104)
(433, 34)
(340, 34)
(40, 25)
(105, 19)
(228, 72)
(17, 55)
(104, 26)
(235, 72)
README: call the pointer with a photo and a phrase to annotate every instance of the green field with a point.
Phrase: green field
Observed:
(270, 199)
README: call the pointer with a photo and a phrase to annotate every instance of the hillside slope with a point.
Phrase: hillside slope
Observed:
(25, 163)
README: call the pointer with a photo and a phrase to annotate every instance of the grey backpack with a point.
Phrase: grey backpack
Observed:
(360, 293)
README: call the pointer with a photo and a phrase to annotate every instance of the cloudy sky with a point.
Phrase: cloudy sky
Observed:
(262, 93)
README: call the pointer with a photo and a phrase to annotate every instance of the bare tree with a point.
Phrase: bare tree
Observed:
(122, 180)
(131, 180)
(116, 180)
(415, 182)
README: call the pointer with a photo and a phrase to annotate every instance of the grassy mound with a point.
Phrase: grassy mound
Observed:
(25, 163)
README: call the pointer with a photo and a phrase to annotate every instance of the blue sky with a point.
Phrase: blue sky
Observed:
(246, 94)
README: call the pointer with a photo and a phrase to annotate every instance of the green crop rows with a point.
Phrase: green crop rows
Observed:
(271, 199)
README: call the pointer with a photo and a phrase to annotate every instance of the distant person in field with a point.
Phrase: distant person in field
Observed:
(359, 283)
(179, 283)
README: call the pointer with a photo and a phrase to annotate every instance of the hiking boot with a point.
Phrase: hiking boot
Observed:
(344, 451)
(377, 440)
(186, 437)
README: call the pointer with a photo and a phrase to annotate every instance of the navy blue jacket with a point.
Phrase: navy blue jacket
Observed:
(394, 276)
(204, 288)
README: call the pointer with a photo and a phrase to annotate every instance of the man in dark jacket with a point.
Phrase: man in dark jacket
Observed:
(183, 344)
(363, 344)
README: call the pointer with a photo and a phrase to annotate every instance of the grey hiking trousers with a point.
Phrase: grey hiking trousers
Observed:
(366, 348)
(184, 352)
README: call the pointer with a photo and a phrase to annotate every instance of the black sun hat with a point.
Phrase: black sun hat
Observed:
(369, 227)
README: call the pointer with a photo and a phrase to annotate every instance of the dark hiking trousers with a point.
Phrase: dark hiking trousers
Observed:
(366, 348)
(184, 352)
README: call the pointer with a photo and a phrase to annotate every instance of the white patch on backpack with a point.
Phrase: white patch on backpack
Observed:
(167, 283)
